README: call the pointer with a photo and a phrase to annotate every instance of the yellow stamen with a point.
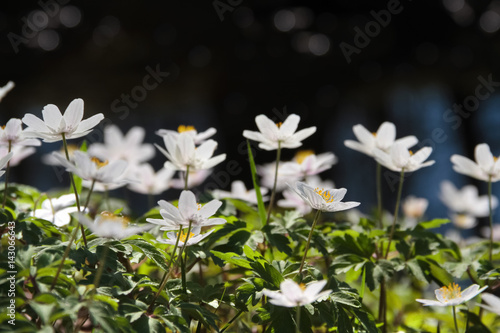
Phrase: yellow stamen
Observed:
(185, 128)
(279, 124)
(374, 134)
(302, 154)
(411, 153)
(108, 217)
(325, 194)
(495, 158)
(3, 126)
(184, 236)
(199, 206)
(302, 286)
(98, 162)
(451, 292)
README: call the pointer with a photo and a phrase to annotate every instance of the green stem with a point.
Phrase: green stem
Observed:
(98, 276)
(491, 218)
(65, 255)
(382, 308)
(379, 195)
(231, 321)
(88, 196)
(455, 318)
(167, 273)
(7, 171)
(363, 283)
(297, 320)
(73, 185)
(318, 212)
(183, 262)
(186, 176)
(273, 193)
(396, 211)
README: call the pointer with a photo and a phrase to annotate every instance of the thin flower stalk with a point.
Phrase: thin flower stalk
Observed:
(490, 206)
(273, 193)
(297, 320)
(318, 212)
(102, 263)
(378, 181)
(396, 211)
(7, 169)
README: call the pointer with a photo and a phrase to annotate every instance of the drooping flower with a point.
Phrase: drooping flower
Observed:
(188, 212)
(55, 124)
(492, 303)
(306, 163)
(485, 168)
(128, 147)
(5, 89)
(3, 162)
(57, 210)
(414, 207)
(240, 192)
(453, 295)
(323, 199)
(465, 204)
(93, 170)
(383, 139)
(198, 138)
(271, 135)
(292, 294)
(194, 237)
(149, 181)
(182, 153)
(19, 153)
(292, 200)
(12, 134)
(109, 225)
(400, 158)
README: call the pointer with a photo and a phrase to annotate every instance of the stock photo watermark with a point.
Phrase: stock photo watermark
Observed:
(362, 38)
(11, 265)
(35, 22)
(223, 6)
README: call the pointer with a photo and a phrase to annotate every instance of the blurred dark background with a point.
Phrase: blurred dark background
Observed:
(230, 60)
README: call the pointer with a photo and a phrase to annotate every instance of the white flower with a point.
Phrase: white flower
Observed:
(5, 89)
(414, 207)
(149, 181)
(188, 212)
(19, 153)
(54, 124)
(266, 172)
(452, 295)
(182, 153)
(12, 134)
(485, 167)
(128, 147)
(383, 139)
(492, 301)
(322, 199)
(194, 237)
(91, 169)
(400, 158)
(195, 178)
(3, 162)
(272, 135)
(240, 192)
(197, 137)
(485, 232)
(306, 163)
(465, 204)
(292, 200)
(109, 225)
(292, 294)
(49, 159)
(57, 210)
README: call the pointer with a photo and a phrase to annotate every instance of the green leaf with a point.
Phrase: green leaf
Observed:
(260, 202)
(150, 251)
(366, 320)
(344, 323)
(433, 223)
(232, 258)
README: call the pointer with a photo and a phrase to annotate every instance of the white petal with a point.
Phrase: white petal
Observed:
(74, 113)
(386, 134)
(52, 116)
(289, 126)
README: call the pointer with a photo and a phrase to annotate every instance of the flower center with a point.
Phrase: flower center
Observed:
(302, 286)
(108, 217)
(184, 236)
(3, 126)
(325, 194)
(302, 154)
(98, 162)
(279, 124)
(411, 153)
(451, 292)
(185, 128)
(494, 157)
(199, 206)
(374, 134)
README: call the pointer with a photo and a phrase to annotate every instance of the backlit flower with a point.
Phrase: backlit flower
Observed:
(194, 237)
(182, 153)
(453, 295)
(55, 124)
(414, 207)
(306, 163)
(383, 139)
(485, 167)
(400, 158)
(292, 294)
(266, 172)
(109, 225)
(272, 135)
(197, 137)
(149, 181)
(188, 212)
(5, 89)
(240, 192)
(323, 199)
(292, 200)
(12, 134)
(57, 210)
